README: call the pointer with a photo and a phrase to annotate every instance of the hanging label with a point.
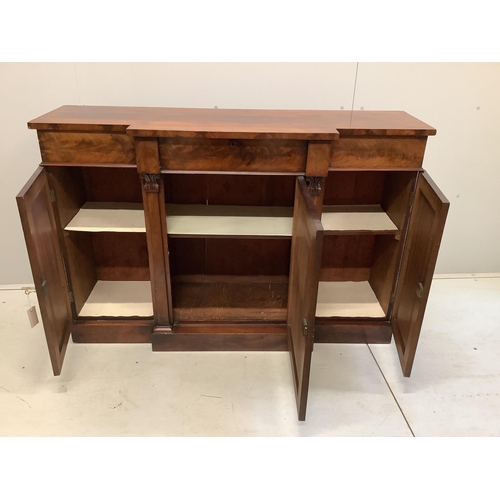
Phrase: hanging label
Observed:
(33, 316)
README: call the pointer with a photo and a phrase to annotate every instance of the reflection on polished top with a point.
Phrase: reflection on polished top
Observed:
(228, 123)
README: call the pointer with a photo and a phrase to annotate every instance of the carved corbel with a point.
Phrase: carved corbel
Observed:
(315, 185)
(150, 182)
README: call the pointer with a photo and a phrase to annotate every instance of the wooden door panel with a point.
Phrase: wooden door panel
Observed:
(419, 260)
(307, 244)
(47, 266)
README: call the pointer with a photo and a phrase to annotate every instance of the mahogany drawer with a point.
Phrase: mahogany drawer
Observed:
(86, 148)
(230, 155)
(380, 153)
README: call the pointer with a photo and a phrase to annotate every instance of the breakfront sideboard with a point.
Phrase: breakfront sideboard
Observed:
(230, 230)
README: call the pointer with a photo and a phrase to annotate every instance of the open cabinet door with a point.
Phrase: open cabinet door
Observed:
(47, 266)
(419, 260)
(305, 263)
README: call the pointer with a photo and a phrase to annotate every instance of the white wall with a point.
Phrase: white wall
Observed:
(464, 157)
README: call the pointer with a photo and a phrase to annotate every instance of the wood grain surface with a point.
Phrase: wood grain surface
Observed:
(232, 123)
(384, 153)
(47, 265)
(84, 147)
(419, 260)
(237, 155)
(307, 240)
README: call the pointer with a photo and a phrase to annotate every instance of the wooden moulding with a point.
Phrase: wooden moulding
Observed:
(86, 148)
(384, 153)
(222, 337)
(352, 332)
(112, 331)
(233, 155)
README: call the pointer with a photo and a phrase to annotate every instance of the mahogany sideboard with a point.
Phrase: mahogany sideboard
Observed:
(225, 229)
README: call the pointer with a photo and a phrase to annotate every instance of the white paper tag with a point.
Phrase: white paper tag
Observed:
(32, 316)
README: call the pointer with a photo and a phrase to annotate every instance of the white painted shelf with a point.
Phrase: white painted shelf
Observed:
(109, 217)
(187, 220)
(358, 221)
(218, 220)
(119, 299)
(347, 299)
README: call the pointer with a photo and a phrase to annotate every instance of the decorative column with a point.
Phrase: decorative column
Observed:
(318, 160)
(153, 196)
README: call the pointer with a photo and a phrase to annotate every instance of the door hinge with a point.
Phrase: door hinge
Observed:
(304, 327)
(412, 198)
(393, 298)
(71, 296)
(52, 196)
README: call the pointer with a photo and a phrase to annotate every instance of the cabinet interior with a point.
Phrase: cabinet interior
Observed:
(229, 245)
(108, 265)
(364, 218)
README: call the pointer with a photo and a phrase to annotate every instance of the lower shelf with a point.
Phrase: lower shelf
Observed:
(229, 301)
(347, 299)
(119, 299)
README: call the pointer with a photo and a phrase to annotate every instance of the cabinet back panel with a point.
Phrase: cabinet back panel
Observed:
(386, 254)
(69, 189)
(81, 263)
(371, 258)
(183, 188)
(121, 256)
(350, 251)
(224, 301)
(396, 196)
(223, 189)
(221, 256)
(354, 188)
(112, 185)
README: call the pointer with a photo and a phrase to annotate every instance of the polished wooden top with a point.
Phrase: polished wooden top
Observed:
(231, 123)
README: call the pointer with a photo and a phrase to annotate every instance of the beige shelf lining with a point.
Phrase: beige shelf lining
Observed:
(357, 221)
(206, 220)
(109, 217)
(118, 299)
(217, 220)
(196, 220)
(347, 299)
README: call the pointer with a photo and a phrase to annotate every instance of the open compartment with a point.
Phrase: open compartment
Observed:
(365, 215)
(104, 240)
(229, 239)
(374, 202)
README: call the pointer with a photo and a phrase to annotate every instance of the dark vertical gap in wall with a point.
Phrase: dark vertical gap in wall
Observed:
(76, 80)
(354, 92)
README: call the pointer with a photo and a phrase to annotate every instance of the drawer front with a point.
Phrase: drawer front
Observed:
(379, 153)
(86, 148)
(233, 155)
